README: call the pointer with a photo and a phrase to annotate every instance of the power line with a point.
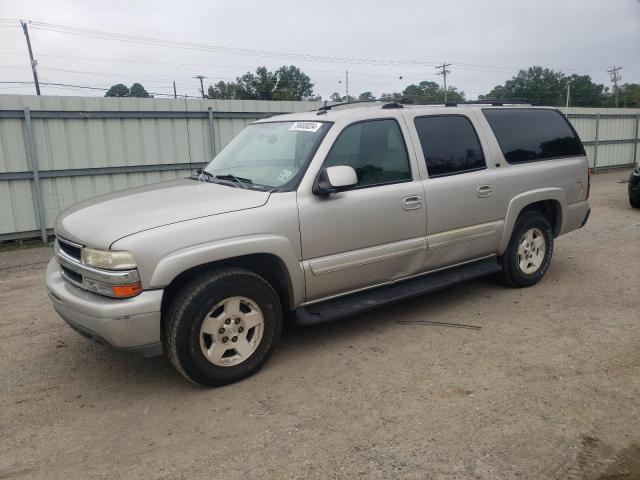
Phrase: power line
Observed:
(217, 48)
(84, 87)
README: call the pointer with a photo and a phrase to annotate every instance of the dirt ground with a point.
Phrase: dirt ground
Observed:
(547, 388)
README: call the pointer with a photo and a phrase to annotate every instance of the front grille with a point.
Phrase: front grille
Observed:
(71, 250)
(74, 277)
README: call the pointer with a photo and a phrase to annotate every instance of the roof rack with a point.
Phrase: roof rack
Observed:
(326, 107)
(390, 104)
(494, 102)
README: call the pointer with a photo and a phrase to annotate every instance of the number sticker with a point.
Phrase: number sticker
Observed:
(305, 127)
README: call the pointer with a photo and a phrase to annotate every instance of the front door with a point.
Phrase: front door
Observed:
(374, 233)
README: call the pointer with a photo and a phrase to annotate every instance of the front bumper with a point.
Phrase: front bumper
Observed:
(131, 324)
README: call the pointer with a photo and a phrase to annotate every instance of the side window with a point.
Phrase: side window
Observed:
(450, 145)
(527, 135)
(376, 151)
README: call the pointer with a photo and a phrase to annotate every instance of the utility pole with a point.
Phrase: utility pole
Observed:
(346, 77)
(33, 62)
(200, 77)
(615, 77)
(444, 72)
(568, 92)
(175, 94)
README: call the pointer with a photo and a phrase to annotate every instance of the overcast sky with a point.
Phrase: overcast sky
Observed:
(486, 41)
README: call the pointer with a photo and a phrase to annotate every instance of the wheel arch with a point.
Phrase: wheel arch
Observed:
(549, 202)
(267, 265)
(271, 257)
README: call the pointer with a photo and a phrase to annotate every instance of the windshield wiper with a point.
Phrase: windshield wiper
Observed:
(204, 176)
(243, 182)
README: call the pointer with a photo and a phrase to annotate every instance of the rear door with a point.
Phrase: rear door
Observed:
(465, 207)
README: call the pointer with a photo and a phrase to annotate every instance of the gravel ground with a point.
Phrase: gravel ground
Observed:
(548, 387)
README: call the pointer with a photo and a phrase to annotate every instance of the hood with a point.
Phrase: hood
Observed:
(100, 221)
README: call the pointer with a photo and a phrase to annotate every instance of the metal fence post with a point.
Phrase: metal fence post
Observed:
(212, 142)
(595, 146)
(635, 144)
(33, 163)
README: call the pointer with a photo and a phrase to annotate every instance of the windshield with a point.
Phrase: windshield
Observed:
(268, 154)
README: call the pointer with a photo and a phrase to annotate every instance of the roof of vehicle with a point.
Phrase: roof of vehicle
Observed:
(359, 110)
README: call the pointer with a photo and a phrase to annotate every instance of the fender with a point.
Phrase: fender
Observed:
(179, 261)
(519, 202)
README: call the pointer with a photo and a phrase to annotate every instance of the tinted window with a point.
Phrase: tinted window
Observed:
(450, 145)
(526, 135)
(376, 151)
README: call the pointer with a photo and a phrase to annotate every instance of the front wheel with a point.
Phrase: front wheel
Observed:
(222, 326)
(634, 202)
(529, 252)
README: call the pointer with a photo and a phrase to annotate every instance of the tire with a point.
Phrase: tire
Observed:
(513, 273)
(634, 202)
(212, 333)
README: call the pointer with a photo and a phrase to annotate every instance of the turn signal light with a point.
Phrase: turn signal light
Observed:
(125, 291)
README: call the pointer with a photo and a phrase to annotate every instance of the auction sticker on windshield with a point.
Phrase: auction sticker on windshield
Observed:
(305, 127)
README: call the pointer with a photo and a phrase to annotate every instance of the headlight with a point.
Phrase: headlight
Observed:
(108, 259)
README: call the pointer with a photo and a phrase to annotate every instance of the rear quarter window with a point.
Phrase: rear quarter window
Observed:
(528, 135)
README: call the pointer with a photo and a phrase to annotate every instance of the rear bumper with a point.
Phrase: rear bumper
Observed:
(577, 215)
(586, 218)
(131, 324)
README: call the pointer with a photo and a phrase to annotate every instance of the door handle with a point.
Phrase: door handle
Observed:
(484, 191)
(413, 202)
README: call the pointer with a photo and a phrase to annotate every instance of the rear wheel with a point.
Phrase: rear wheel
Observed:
(529, 252)
(222, 326)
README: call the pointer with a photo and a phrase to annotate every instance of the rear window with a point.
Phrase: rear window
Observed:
(450, 145)
(527, 135)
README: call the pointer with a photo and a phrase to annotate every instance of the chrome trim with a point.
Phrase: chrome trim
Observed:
(421, 274)
(366, 256)
(64, 275)
(459, 235)
(69, 242)
(115, 277)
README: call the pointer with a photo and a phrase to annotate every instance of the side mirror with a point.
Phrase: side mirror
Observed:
(335, 179)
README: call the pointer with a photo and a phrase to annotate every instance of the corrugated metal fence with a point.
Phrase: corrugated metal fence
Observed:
(55, 151)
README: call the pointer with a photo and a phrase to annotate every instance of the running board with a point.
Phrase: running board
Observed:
(366, 300)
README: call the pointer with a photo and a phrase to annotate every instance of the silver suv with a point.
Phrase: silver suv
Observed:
(314, 217)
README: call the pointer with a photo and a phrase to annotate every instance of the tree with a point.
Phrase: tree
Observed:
(366, 97)
(431, 92)
(630, 95)
(543, 85)
(391, 96)
(286, 83)
(583, 92)
(118, 90)
(223, 90)
(138, 90)
(536, 84)
(292, 84)
(335, 97)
